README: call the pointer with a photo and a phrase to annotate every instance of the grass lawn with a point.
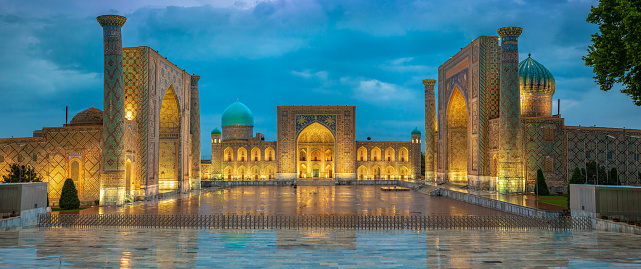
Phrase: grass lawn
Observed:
(53, 209)
(560, 202)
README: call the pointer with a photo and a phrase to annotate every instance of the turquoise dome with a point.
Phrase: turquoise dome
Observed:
(237, 114)
(416, 131)
(216, 131)
(535, 79)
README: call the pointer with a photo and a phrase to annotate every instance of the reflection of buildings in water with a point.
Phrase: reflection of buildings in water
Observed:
(316, 239)
(236, 238)
(120, 247)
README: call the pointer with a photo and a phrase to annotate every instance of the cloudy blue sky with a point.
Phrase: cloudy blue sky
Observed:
(370, 54)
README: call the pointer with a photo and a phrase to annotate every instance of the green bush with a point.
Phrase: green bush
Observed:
(69, 196)
(577, 178)
(613, 177)
(541, 188)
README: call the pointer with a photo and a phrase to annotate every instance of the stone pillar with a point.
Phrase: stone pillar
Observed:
(112, 180)
(430, 129)
(194, 129)
(510, 175)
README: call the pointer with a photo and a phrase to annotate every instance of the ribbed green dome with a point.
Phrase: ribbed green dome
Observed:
(216, 131)
(535, 79)
(416, 131)
(237, 114)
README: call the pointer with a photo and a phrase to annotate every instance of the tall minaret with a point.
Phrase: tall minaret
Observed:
(194, 129)
(430, 129)
(510, 175)
(112, 180)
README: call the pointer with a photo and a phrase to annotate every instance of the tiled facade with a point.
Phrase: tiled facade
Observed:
(477, 95)
(141, 144)
(314, 142)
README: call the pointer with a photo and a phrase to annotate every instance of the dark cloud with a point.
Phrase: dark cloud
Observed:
(371, 54)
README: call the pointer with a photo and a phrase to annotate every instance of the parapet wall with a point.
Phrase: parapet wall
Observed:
(495, 204)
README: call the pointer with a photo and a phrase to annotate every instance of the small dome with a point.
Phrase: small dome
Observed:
(215, 131)
(237, 114)
(416, 131)
(535, 79)
(89, 116)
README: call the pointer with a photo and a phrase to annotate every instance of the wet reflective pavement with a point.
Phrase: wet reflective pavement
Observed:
(191, 248)
(341, 200)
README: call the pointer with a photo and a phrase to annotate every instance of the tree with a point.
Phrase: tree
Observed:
(18, 173)
(576, 178)
(613, 178)
(592, 176)
(541, 188)
(69, 196)
(615, 53)
(422, 163)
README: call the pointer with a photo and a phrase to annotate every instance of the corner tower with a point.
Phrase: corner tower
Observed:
(112, 180)
(510, 175)
(194, 130)
(216, 154)
(430, 129)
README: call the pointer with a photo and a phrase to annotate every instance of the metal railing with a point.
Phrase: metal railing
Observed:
(365, 222)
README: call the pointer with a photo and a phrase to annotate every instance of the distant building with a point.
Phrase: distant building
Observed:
(313, 142)
(494, 126)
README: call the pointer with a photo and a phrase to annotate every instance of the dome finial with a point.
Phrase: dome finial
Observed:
(529, 54)
(236, 99)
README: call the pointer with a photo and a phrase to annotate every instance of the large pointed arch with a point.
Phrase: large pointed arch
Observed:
(315, 150)
(457, 136)
(169, 127)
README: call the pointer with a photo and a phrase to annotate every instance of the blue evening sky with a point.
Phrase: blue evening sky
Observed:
(369, 54)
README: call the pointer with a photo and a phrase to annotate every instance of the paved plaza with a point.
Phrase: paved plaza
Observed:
(303, 200)
(191, 248)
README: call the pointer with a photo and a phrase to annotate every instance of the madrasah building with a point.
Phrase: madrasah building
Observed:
(313, 143)
(146, 141)
(492, 126)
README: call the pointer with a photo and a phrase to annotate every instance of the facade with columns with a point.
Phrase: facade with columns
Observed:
(313, 142)
(146, 141)
(492, 126)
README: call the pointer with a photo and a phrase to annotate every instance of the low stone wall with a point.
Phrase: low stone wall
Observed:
(617, 227)
(27, 218)
(495, 204)
(225, 184)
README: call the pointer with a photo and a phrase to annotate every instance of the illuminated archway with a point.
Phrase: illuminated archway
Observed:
(242, 154)
(457, 138)
(270, 172)
(362, 172)
(269, 154)
(317, 143)
(362, 154)
(229, 154)
(228, 172)
(403, 172)
(376, 154)
(256, 154)
(403, 154)
(376, 172)
(169, 128)
(390, 172)
(389, 154)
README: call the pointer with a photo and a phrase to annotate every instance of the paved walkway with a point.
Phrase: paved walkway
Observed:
(519, 199)
(304, 200)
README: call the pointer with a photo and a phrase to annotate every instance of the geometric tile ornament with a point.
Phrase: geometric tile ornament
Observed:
(194, 129)
(113, 164)
(510, 164)
(430, 129)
